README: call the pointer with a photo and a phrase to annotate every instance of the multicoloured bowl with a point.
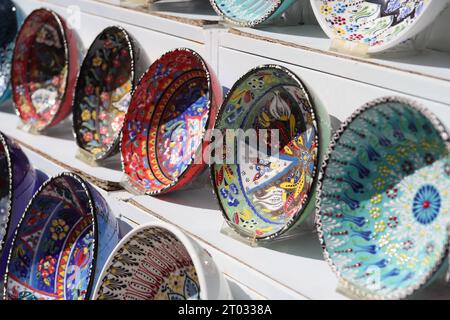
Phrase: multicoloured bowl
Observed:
(250, 13)
(103, 92)
(44, 70)
(9, 25)
(165, 129)
(383, 212)
(62, 242)
(159, 262)
(264, 197)
(379, 24)
(18, 182)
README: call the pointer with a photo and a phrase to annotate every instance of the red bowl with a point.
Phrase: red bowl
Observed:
(164, 134)
(44, 70)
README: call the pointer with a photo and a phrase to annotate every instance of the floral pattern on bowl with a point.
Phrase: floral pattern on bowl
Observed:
(250, 13)
(61, 243)
(263, 198)
(171, 109)
(44, 70)
(103, 92)
(384, 208)
(379, 24)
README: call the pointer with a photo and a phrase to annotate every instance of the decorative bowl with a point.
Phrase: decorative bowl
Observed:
(166, 127)
(44, 70)
(264, 196)
(379, 24)
(18, 182)
(159, 262)
(8, 30)
(250, 13)
(62, 242)
(383, 212)
(103, 92)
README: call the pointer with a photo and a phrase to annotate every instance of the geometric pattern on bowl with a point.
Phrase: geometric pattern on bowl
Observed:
(44, 70)
(384, 207)
(380, 24)
(173, 106)
(250, 13)
(264, 197)
(8, 31)
(61, 243)
(103, 92)
(159, 262)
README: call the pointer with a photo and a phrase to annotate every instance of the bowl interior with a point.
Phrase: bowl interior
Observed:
(385, 200)
(166, 122)
(8, 31)
(372, 22)
(152, 264)
(264, 193)
(245, 12)
(103, 92)
(40, 68)
(53, 251)
(5, 189)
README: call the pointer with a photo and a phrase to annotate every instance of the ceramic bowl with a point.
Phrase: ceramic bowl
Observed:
(384, 203)
(173, 106)
(8, 30)
(44, 70)
(159, 262)
(250, 13)
(62, 242)
(103, 92)
(263, 197)
(18, 182)
(380, 24)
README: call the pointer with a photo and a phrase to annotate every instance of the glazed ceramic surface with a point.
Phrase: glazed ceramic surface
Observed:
(171, 109)
(18, 182)
(44, 70)
(62, 242)
(380, 24)
(8, 30)
(103, 92)
(159, 262)
(384, 208)
(250, 13)
(263, 198)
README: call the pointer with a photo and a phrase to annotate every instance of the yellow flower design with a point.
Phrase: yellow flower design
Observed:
(378, 184)
(325, 9)
(384, 171)
(86, 115)
(59, 229)
(375, 213)
(339, 31)
(97, 61)
(380, 226)
(376, 199)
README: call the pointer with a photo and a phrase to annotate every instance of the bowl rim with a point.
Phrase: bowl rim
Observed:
(131, 47)
(93, 211)
(4, 143)
(181, 236)
(403, 36)
(249, 23)
(440, 128)
(62, 28)
(210, 105)
(292, 222)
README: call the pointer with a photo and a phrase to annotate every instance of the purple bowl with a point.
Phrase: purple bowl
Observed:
(18, 182)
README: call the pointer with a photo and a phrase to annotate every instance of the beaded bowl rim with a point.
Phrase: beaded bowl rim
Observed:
(404, 36)
(131, 47)
(62, 29)
(179, 235)
(210, 104)
(292, 222)
(94, 221)
(440, 128)
(249, 23)
(4, 143)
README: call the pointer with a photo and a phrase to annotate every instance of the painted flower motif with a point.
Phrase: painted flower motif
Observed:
(429, 158)
(339, 8)
(384, 171)
(97, 61)
(339, 21)
(380, 226)
(326, 9)
(426, 204)
(392, 249)
(384, 240)
(408, 167)
(355, 37)
(375, 213)
(59, 229)
(393, 222)
(378, 184)
(86, 115)
(392, 192)
(392, 160)
(339, 31)
(103, 130)
(408, 245)
(376, 198)
(88, 136)
(352, 28)
(46, 268)
(117, 122)
(89, 89)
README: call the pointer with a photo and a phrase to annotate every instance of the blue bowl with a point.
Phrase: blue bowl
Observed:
(62, 242)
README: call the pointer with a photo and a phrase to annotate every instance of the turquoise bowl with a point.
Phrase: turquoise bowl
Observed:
(250, 13)
(383, 208)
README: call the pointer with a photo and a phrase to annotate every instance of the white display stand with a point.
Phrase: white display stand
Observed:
(292, 269)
